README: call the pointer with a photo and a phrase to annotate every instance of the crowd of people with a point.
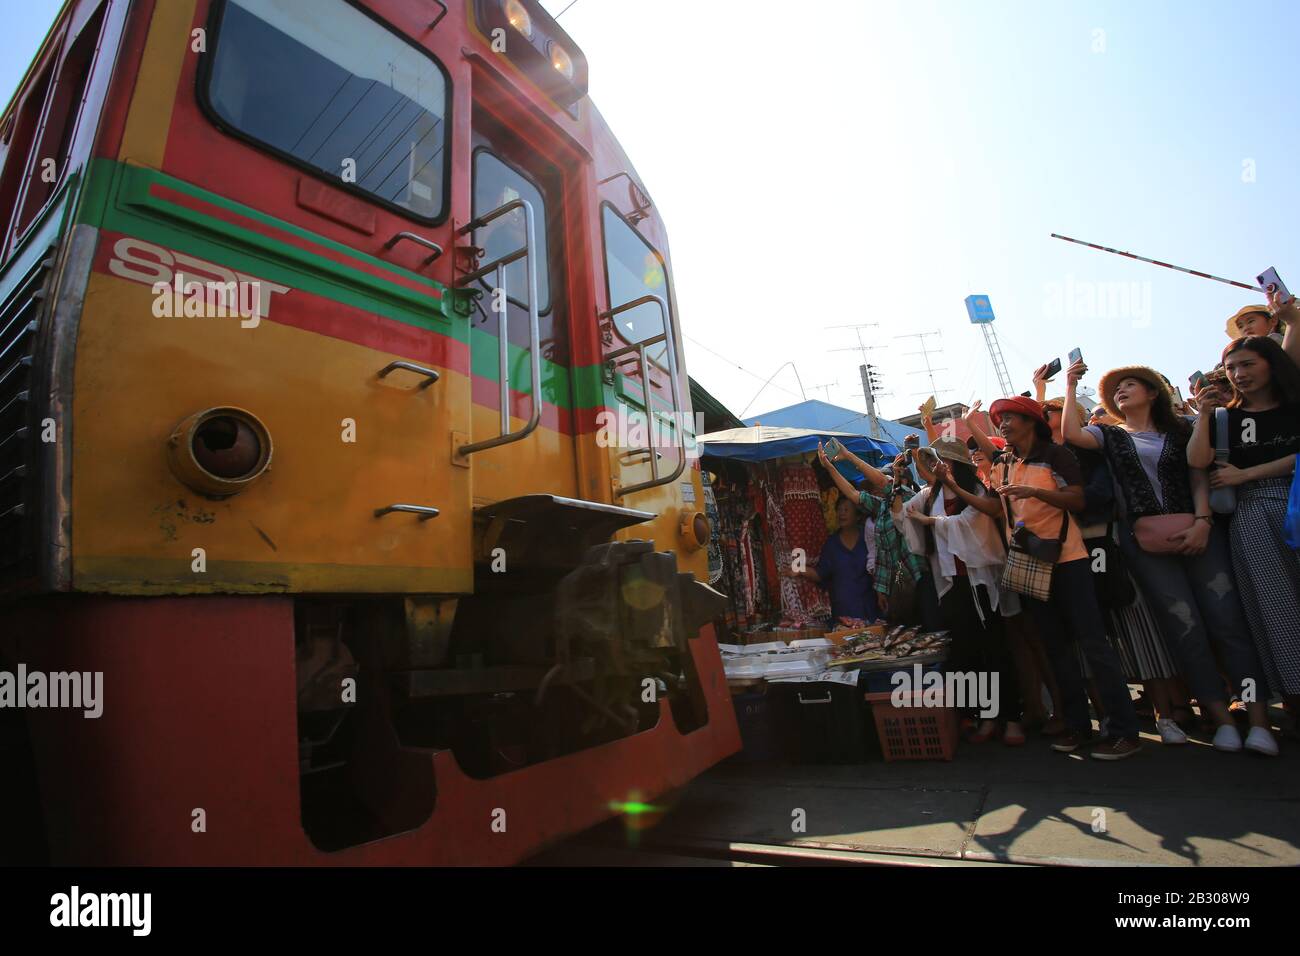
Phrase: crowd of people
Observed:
(1146, 542)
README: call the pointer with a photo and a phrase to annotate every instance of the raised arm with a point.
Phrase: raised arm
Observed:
(923, 467)
(1289, 313)
(876, 479)
(990, 506)
(977, 431)
(1071, 430)
(1040, 383)
(927, 422)
(842, 483)
(1200, 449)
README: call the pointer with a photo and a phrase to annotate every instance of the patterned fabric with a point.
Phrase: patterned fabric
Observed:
(739, 567)
(1139, 497)
(715, 529)
(891, 546)
(1027, 575)
(796, 521)
(1136, 637)
(1268, 579)
(830, 498)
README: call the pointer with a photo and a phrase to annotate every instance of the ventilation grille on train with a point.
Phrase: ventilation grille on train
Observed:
(20, 318)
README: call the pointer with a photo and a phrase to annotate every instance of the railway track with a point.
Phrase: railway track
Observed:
(588, 851)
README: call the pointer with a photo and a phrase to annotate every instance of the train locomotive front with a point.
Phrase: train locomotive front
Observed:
(345, 442)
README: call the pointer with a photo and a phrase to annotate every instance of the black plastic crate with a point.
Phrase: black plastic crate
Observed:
(831, 722)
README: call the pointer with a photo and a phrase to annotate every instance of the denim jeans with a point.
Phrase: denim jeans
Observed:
(1073, 612)
(1194, 600)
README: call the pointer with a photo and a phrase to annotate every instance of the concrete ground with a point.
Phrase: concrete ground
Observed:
(1181, 806)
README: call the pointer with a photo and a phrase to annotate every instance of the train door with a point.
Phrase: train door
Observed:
(521, 387)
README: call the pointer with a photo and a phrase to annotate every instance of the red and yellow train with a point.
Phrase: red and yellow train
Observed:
(314, 316)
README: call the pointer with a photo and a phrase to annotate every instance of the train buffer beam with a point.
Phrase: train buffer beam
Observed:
(548, 530)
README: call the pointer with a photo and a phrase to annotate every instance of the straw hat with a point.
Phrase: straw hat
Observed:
(1110, 381)
(951, 449)
(1235, 333)
(1059, 403)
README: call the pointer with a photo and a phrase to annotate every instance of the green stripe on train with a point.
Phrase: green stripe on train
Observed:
(117, 197)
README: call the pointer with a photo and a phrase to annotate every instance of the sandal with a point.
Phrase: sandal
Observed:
(1013, 738)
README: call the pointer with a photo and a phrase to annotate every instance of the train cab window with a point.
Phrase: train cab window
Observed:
(323, 84)
(632, 269)
(19, 135)
(49, 160)
(495, 184)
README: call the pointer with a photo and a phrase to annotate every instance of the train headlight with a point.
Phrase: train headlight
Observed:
(694, 530)
(537, 46)
(561, 61)
(519, 17)
(220, 451)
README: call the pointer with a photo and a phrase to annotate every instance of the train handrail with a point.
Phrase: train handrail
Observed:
(498, 266)
(430, 376)
(668, 337)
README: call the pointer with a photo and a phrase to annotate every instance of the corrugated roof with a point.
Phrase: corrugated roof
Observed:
(823, 416)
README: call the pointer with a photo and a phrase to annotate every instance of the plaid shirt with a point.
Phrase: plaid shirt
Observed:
(891, 546)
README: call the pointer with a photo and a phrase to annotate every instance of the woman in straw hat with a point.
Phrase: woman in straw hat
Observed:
(1132, 630)
(1178, 555)
(961, 544)
(1263, 440)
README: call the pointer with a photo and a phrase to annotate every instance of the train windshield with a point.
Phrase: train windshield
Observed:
(633, 269)
(330, 88)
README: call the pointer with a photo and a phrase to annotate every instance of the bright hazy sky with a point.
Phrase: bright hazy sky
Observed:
(846, 162)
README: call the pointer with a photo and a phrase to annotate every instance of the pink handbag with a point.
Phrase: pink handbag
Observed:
(1154, 531)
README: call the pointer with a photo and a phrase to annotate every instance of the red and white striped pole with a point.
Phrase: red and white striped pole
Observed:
(1157, 262)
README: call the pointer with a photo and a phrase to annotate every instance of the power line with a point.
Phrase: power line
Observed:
(736, 364)
(768, 381)
(564, 11)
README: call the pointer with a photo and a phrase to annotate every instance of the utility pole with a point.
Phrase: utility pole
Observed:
(870, 384)
(868, 372)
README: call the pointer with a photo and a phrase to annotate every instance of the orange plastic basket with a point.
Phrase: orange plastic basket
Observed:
(914, 732)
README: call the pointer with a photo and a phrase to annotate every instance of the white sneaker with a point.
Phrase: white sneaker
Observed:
(1170, 732)
(1260, 740)
(1228, 739)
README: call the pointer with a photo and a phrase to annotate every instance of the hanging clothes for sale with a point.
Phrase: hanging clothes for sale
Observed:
(797, 523)
(715, 530)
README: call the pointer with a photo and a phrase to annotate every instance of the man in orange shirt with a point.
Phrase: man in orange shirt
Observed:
(1042, 484)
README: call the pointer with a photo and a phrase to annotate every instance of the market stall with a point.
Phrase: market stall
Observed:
(807, 686)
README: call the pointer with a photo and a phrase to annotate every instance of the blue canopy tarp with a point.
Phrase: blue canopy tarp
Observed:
(766, 442)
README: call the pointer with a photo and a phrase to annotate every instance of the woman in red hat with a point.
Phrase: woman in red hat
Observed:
(1041, 484)
(1178, 554)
